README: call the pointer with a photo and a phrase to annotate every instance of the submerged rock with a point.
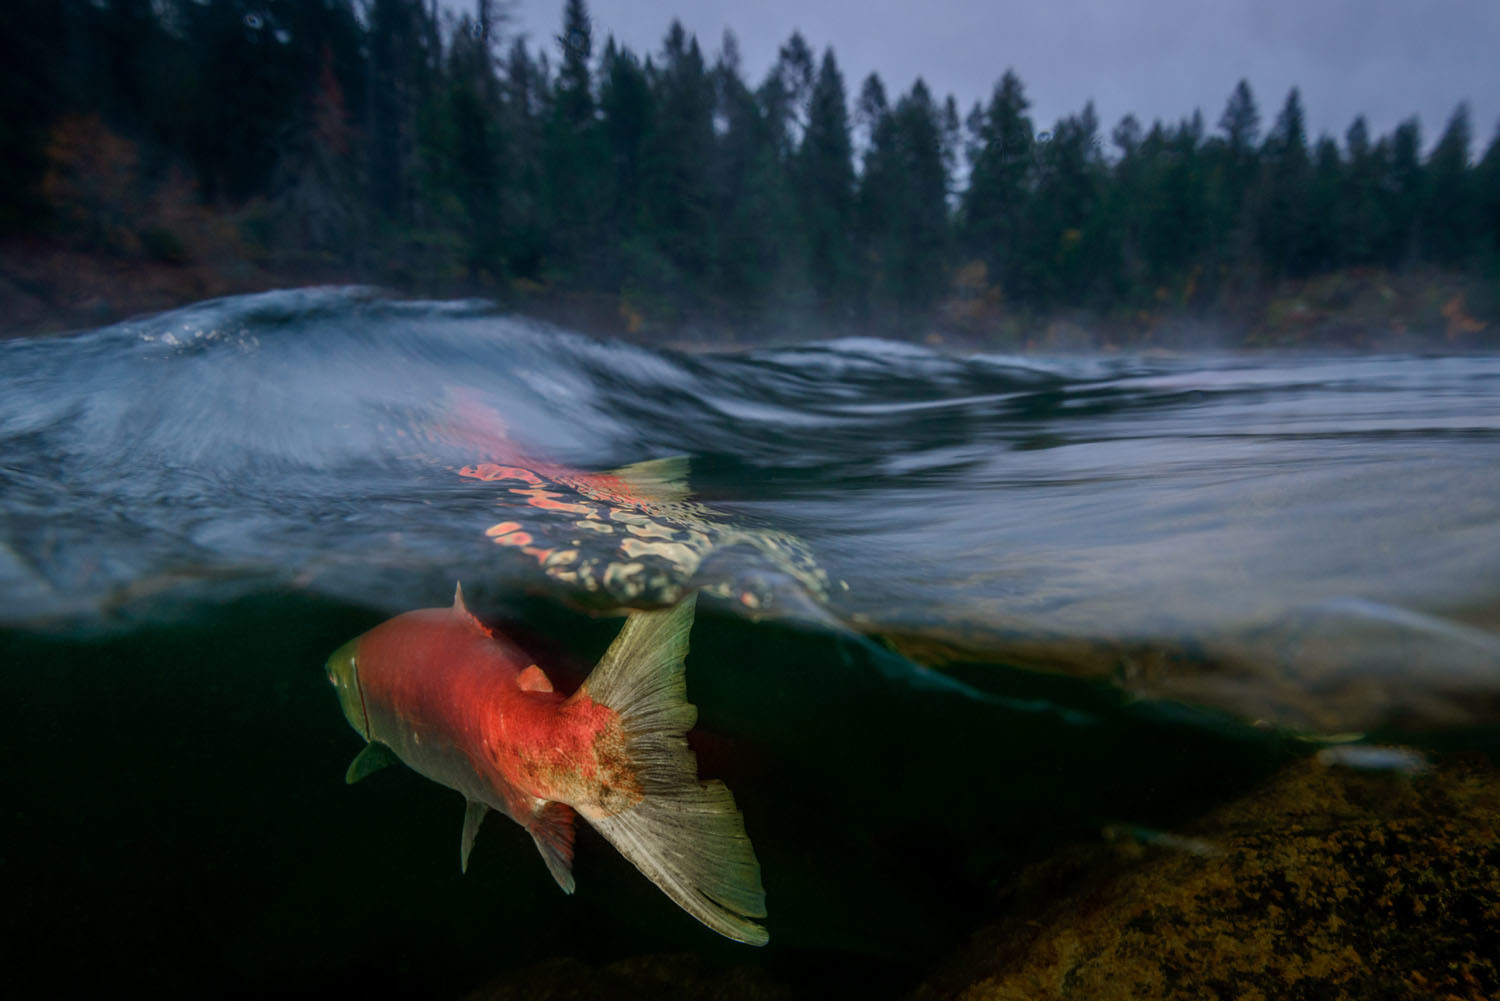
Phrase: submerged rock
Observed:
(648, 978)
(1324, 883)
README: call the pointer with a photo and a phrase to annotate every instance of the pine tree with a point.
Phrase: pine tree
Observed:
(1063, 239)
(753, 212)
(574, 149)
(1235, 164)
(1322, 245)
(678, 154)
(626, 104)
(1281, 206)
(1401, 193)
(1000, 167)
(525, 109)
(1487, 202)
(1448, 219)
(403, 66)
(824, 173)
(903, 202)
(470, 169)
(1358, 221)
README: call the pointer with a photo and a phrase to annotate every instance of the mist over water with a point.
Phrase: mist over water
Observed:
(920, 570)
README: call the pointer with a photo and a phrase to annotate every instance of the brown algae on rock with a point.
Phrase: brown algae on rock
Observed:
(1326, 883)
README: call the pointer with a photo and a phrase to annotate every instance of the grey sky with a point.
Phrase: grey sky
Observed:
(1386, 59)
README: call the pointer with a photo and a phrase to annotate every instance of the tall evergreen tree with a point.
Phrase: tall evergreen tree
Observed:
(1358, 220)
(903, 197)
(525, 110)
(752, 202)
(1000, 165)
(1281, 206)
(402, 65)
(678, 153)
(1401, 193)
(1487, 186)
(788, 93)
(628, 110)
(1448, 219)
(824, 173)
(1064, 244)
(1178, 233)
(1235, 164)
(1322, 242)
(469, 146)
(574, 148)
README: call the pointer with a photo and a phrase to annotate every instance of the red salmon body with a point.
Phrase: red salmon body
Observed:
(438, 691)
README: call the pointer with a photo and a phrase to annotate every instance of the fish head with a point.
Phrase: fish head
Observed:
(343, 674)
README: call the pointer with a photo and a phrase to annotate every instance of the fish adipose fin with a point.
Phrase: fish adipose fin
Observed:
(474, 813)
(685, 835)
(552, 830)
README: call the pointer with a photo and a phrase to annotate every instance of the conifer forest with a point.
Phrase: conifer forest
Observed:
(431, 150)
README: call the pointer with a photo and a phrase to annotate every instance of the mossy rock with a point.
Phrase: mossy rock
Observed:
(1325, 883)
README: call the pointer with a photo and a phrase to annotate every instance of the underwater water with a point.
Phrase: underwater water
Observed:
(956, 611)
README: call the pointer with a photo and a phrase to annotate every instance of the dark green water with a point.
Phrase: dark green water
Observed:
(958, 611)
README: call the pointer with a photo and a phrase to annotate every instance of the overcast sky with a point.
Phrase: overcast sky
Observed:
(1386, 59)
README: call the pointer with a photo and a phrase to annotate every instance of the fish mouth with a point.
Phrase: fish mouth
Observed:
(342, 669)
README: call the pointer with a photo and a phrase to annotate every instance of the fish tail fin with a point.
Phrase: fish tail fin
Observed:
(686, 836)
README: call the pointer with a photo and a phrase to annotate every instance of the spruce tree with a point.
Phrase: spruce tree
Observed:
(1448, 219)
(1401, 193)
(1000, 168)
(1358, 220)
(824, 173)
(1281, 206)
(573, 148)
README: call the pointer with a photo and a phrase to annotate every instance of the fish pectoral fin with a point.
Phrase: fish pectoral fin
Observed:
(473, 816)
(552, 830)
(371, 759)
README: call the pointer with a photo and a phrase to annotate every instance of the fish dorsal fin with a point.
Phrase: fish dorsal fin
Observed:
(462, 610)
(473, 816)
(372, 758)
(663, 480)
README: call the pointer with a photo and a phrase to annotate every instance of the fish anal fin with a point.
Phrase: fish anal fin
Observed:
(552, 830)
(371, 758)
(532, 679)
(462, 611)
(474, 813)
(686, 836)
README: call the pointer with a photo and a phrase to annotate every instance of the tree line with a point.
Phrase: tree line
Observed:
(420, 147)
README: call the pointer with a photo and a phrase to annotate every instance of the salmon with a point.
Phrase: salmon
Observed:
(440, 692)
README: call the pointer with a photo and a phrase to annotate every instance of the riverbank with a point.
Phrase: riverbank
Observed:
(49, 288)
